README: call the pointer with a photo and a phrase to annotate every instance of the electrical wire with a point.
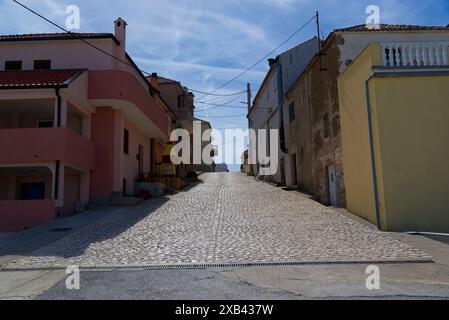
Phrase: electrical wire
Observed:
(262, 59)
(79, 37)
(211, 93)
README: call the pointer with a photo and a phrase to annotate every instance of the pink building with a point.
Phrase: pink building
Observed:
(77, 125)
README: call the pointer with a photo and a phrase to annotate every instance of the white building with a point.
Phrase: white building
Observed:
(268, 106)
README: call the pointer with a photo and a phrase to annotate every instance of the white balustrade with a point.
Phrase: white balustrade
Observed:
(415, 54)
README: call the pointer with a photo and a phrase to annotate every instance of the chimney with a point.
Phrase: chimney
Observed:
(154, 80)
(271, 62)
(120, 32)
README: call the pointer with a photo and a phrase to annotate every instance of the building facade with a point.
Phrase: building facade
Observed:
(76, 124)
(313, 110)
(268, 108)
(204, 130)
(181, 103)
(394, 115)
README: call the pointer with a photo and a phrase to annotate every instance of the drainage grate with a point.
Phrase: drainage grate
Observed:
(218, 265)
(60, 230)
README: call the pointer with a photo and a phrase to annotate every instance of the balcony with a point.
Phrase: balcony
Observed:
(122, 90)
(46, 145)
(414, 54)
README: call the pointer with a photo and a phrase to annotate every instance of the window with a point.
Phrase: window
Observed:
(13, 65)
(126, 141)
(181, 103)
(45, 123)
(291, 111)
(327, 126)
(32, 191)
(42, 64)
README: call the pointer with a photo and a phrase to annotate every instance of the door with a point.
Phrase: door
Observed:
(332, 185)
(294, 171)
(141, 159)
(282, 172)
(72, 190)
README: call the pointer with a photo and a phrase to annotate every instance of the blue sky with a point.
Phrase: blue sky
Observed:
(204, 43)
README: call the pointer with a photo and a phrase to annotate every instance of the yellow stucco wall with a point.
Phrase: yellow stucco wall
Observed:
(355, 135)
(413, 128)
(410, 117)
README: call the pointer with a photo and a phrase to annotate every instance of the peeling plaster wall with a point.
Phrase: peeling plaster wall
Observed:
(315, 94)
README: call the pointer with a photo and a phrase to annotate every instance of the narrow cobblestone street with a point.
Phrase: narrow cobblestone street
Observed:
(226, 218)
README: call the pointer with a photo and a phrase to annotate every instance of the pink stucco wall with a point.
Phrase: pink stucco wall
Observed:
(102, 136)
(19, 215)
(46, 144)
(23, 121)
(130, 161)
(122, 85)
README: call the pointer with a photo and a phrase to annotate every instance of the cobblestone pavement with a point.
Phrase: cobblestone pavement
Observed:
(229, 218)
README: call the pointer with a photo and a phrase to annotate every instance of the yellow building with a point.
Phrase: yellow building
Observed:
(394, 107)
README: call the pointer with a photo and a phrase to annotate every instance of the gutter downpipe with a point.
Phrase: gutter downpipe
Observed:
(282, 125)
(373, 157)
(58, 109)
(58, 124)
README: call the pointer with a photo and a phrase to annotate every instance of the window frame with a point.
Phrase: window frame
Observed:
(181, 101)
(291, 111)
(35, 62)
(126, 141)
(19, 62)
(38, 123)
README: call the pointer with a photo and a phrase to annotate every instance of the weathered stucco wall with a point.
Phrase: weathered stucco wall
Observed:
(316, 97)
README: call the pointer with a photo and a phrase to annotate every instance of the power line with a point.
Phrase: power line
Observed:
(211, 93)
(75, 35)
(234, 116)
(263, 58)
(219, 95)
(79, 37)
(216, 106)
(221, 106)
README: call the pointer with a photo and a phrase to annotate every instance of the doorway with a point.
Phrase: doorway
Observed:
(294, 171)
(141, 156)
(72, 191)
(332, 182)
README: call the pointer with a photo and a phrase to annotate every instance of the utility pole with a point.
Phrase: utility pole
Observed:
(318, 31)
(251, 145)
(248, 94)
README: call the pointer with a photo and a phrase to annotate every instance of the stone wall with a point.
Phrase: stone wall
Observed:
(315, 97)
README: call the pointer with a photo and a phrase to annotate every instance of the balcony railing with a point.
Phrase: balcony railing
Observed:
(46, 145)
(415, 54)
